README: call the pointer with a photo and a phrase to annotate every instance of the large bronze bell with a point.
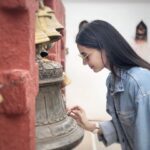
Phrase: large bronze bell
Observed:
(54, 129)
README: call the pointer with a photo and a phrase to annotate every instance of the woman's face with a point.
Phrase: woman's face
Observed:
(95, 59)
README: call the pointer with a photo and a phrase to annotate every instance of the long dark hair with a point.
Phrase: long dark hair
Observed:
(82, 24)
(102, 35)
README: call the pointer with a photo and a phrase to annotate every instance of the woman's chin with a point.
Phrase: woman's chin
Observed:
(96, 70)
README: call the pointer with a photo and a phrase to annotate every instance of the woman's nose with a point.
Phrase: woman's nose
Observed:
(84, 62)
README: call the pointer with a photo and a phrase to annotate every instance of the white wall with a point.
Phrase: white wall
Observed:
(88, 88)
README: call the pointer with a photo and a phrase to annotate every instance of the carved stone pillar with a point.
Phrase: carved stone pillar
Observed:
(54, 129)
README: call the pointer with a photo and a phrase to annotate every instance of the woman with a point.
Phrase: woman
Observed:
(128, 96)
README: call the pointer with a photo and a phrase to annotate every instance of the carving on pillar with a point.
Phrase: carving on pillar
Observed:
(19, 84)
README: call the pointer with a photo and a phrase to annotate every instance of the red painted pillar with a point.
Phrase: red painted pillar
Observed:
(18, 74)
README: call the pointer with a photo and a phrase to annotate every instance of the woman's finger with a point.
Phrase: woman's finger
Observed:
(74, 115)
(76, 108)
(77, 112)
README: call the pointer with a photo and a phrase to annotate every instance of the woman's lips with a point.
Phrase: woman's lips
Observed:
(91, 67)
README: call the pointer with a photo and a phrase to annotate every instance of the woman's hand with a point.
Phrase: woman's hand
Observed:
(79, 115)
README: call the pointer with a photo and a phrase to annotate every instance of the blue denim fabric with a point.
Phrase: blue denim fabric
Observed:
(128, 103)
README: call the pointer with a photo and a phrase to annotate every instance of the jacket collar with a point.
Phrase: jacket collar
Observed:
(116, 85)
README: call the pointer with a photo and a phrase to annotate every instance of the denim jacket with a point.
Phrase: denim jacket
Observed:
(128, 103)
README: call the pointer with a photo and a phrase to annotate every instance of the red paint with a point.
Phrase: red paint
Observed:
(18, 74)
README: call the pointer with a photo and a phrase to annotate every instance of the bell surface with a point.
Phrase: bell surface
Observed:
(40, 36)
(55, 130)
(55, 23)
(46, 25)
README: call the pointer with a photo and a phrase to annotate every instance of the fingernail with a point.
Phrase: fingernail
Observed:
(68, 113)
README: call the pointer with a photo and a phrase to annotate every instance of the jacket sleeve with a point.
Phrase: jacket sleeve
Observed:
(139, 91)
(142, 124)
(109, 135)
